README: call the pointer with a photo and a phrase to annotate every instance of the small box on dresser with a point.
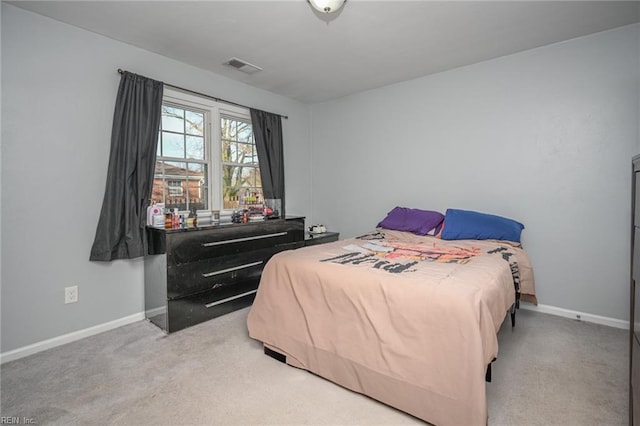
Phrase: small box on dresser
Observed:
(195, 274)
(312, 239)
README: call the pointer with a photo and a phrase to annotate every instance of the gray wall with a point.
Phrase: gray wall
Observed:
(59, 85)
(545, 137)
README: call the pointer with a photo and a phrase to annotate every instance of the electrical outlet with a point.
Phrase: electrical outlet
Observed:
(71, 294)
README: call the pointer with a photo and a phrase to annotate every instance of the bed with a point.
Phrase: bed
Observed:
(409, 320)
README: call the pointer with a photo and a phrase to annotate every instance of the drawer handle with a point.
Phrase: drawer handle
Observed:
(235, 268)
(229, 299)
(237, 240)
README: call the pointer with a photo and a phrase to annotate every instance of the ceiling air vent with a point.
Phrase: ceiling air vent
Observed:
(243, 66)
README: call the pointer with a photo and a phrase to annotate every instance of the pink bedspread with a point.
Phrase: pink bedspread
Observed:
(410, 321)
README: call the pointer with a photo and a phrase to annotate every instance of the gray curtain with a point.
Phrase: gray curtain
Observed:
(134, 138)
(267, 130)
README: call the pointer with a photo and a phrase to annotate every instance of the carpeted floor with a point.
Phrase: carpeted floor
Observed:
(550, 371)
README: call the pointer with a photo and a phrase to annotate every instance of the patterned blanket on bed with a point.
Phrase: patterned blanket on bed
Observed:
(393, 253)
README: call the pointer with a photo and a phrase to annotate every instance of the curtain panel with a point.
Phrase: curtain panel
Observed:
(134, 139)
(267, 130)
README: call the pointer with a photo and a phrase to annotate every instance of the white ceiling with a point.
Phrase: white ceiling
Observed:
(312, 58)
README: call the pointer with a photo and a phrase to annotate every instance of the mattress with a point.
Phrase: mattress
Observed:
(409, 320)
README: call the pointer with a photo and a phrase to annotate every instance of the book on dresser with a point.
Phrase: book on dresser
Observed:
(195, 274)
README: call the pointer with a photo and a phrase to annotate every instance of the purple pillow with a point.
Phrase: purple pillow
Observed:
(419, 222)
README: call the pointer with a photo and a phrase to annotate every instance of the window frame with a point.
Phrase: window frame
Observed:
(213, 112)
(224, 114)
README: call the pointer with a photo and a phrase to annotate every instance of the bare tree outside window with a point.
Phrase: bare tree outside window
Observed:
(241, 184)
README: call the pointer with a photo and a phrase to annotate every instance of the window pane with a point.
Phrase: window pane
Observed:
(204, 199)
(230, 176)
(245, 132)
(228, 129)
(241, 182)
(172, 201)
(175, 194)
(175, 177)
(197, 184)
(195, 147)
(226, 151)
(159, 167)
(176, 188)
(197, 170)
(244, 153)
(157, 190)
(248, 177)
(182, 184)
(195, 123)
(230, 204)
(175, 170)
(236, 153)
(258, 179)
(156, 193)
(230, 186)
(167, 199)
(231, 153)
(172, 119)
(172, 145)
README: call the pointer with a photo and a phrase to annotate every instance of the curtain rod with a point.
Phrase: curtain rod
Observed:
(121, 71)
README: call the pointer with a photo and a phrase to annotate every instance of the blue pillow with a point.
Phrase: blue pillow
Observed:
(470, 225)
(418, 221)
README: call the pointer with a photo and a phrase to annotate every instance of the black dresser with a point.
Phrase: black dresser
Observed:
(192, 275)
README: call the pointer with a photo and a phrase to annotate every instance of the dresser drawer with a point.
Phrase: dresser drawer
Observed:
(195, 308)
(220, 271)
(190, 247)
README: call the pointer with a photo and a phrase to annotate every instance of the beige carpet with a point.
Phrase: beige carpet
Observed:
(550, 371)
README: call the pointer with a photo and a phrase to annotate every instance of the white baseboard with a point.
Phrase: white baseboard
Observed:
(68, 338)
(91, 331)
(576, 315)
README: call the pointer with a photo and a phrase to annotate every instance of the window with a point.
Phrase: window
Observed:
(175, 188)
(206, 157)
(241, 184)
(181, 173)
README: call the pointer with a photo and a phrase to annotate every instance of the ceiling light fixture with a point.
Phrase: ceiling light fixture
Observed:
(327, 6)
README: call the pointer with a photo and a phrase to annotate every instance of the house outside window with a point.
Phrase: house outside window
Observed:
(175, 188)
(206, 157)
